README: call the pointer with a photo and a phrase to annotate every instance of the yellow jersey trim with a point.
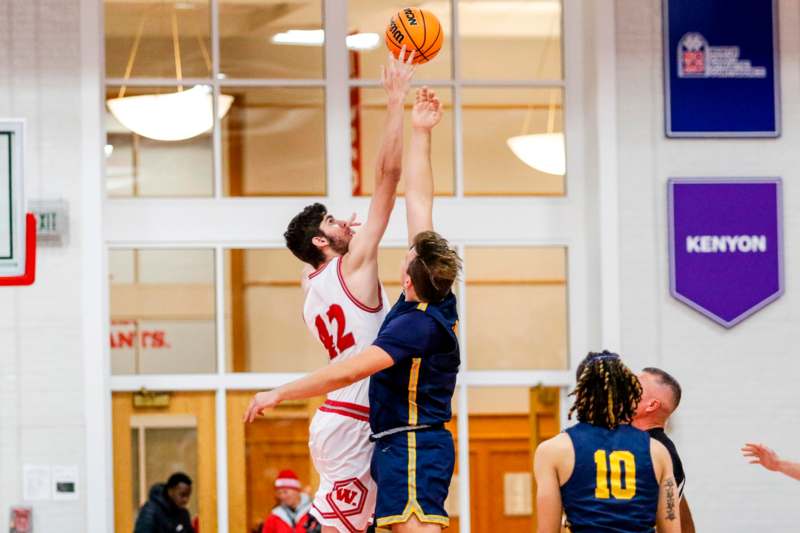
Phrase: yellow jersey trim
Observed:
(422, 306)
(413, 382)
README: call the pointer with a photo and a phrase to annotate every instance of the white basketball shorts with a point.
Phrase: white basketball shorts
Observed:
(341, 451)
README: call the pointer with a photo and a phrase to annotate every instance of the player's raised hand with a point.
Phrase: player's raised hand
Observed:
(396, 75)
(761, 455)
(427, 111)
(261, 402)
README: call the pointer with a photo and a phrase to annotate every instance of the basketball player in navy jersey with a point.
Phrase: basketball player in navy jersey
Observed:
(413, 362)
(603, 473)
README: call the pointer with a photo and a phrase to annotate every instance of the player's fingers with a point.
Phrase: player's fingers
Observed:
(402, 56)
(755, 462)
(410, 59)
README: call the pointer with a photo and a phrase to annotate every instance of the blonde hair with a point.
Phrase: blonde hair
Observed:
(435, 268)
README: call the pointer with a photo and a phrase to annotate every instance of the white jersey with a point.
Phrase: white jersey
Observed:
(344, 325)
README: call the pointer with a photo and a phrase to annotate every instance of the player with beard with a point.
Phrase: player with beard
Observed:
(344, 307)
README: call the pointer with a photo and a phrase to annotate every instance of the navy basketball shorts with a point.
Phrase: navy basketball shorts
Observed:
(413, 472)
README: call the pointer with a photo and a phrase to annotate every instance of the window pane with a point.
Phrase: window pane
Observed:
(162, 311)
(261, 39)
(258, 451)
(369, 114)
(493, 116)
(373, 16)
(517, 39)
(273, 141)
(264, 310)
(138, 166)
(532, 282)
(502, 433)
(157, 39)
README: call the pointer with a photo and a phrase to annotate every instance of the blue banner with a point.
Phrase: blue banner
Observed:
(721, 68)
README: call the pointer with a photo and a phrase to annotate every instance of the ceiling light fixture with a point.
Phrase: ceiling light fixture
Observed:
(545, 152)
(356, 41)
(173, 116)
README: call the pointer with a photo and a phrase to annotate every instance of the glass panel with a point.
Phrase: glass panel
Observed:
(264, 310)
(157, 39)
(510, 39)
(170, 450)
(532, 282)
(258, 451)
(493, 116)
(162, 311)
(368, 111)
(271, 39)
(500, 459)
(138, 166)
(273, 141)
(372, 17)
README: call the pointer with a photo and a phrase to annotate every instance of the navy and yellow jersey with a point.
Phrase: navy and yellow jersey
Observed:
(613, 486)
(418, 388)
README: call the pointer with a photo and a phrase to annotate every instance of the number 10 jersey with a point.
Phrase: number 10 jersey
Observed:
(343, 324)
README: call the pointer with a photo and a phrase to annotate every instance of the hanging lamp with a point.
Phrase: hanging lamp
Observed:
(173, 116)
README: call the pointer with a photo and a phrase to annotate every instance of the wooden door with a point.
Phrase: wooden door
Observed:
(258, 451)
(184, 410)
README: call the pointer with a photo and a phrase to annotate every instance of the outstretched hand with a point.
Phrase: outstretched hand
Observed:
(427, 111)
(396, 75)
(761, 455)
(260, 403)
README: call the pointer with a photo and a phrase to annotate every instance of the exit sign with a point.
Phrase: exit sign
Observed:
(52, 221)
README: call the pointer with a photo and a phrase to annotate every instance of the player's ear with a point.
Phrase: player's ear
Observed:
(319, 241)
(654, 405)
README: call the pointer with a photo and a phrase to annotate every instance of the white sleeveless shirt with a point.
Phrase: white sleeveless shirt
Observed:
(343, 325)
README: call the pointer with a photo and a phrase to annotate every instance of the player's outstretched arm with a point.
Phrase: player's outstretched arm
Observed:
(548, 489)
(766, 457)
(396, 79)
(426, 114)
(668, 516)
(322, 381)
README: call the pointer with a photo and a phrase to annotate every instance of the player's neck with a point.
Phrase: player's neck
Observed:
(646, 423)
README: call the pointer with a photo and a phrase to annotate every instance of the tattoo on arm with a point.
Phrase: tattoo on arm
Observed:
(670, 490)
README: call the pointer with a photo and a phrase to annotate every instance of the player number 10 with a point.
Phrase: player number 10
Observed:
(614, 462)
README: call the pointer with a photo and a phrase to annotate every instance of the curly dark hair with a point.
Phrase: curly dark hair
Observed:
(607, 392)
(302, 229)
(435, 268)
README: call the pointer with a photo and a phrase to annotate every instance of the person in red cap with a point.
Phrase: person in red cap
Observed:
(291, 514)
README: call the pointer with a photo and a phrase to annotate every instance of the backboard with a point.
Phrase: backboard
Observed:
(17, 230)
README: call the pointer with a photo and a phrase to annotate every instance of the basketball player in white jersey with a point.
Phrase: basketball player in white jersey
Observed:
(345, 306)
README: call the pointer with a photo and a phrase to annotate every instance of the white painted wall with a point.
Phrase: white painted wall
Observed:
(738, 385)
(41, 373)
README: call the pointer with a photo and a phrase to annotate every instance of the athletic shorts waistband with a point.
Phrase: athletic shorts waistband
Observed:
(405, 429)
(351, 410)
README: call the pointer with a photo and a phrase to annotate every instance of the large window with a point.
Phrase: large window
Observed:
(224, 118)
(248, 91)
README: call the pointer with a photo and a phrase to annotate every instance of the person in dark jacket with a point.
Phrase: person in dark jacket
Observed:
(165, 510)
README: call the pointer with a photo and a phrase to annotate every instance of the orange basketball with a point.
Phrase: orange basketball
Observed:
(419, 30)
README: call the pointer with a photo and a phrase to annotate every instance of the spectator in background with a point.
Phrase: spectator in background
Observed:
(290, 515)
(165, 510)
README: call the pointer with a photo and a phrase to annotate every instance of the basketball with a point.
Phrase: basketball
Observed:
(419, 30)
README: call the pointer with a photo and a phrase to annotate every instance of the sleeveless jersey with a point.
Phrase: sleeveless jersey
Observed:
(418, 388)
(344, 325)
(613, 486)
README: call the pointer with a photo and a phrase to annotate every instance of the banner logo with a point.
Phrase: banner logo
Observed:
(697, 59)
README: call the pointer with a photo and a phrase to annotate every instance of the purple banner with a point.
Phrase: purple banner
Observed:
(726, 254)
